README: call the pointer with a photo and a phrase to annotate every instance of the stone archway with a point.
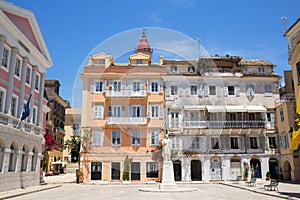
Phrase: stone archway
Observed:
(286, 170)
(255, 167)
(177, 170)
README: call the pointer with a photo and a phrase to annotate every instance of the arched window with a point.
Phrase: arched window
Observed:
(34, 159)
(2, 149)
(24, 158)
(12, 157)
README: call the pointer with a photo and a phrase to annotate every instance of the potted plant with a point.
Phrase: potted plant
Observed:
(127, 162)
(246, 174)
(79, 176)
(268, 175)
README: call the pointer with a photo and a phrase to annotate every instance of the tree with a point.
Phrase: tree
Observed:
(50, 144)
(73, 145)
(127, 162)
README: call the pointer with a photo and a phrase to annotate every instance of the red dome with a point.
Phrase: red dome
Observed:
(143, 46)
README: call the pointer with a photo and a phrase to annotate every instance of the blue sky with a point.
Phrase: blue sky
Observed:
(72, 29)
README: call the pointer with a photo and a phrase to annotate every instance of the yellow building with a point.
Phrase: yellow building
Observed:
(72, 128)
(293, 36)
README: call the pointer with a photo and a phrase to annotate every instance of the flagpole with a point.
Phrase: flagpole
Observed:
(19, 121)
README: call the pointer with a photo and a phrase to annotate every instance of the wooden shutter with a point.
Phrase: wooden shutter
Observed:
(93, 86)
(261, 142)
(237, 90)
(206, 90)
(225, 91)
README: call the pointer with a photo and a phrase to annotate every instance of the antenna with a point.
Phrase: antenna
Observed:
(144, 32)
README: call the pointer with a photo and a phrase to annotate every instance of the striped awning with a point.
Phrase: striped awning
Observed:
(235, 109)
(214, 109)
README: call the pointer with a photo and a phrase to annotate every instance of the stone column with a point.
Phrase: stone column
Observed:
(10, 86)
(22, 87)
(2, 41)
(41, 100)
(34, 69)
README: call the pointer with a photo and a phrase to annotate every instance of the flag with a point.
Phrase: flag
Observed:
(26, 110)
(296, 131)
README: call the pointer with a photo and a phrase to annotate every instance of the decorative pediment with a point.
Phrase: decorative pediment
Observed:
(28, 33)
(139, 56)
(24, 26)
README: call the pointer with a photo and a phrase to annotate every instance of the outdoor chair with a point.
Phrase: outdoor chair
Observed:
(272, 186)
(252, 182)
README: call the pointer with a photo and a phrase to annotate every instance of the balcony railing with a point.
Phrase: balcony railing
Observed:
(126, 120)
(285, 98)
(126, 93)
(236, 124)
(225, 124)
(11, 121)
(195, 124)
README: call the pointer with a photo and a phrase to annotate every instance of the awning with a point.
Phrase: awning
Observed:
(256, 109)
(194, 107)
(235, 109)
(215, 109)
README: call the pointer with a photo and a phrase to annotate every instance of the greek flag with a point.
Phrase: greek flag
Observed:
(26, 110)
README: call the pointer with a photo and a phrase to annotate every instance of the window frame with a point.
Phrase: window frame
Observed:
(154, 87)
(135, 138)
(5, 57)
(174, 90)
(18, 67)
(212, 90)
(193, 90)
(115, 135)
(97, 138)
(215, 143)
(15, 106)
(97, 111)
(154, 137)
(253, 145)
(234, 142)
(152, 171)
(2, 101)
(28, 75)
(231, 90)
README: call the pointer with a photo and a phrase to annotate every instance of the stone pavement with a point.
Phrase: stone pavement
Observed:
(285, 190)
(50, 183)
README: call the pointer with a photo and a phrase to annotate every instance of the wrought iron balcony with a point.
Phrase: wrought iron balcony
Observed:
(126, 120)
(126, 93)
(195, 124)
(225, 124)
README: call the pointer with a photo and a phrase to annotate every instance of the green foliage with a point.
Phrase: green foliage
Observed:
(246, 172)
(246, 169)
(268, 174)
(127, 163)
(73, 145)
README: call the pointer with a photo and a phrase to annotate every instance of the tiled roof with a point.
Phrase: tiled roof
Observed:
(255, 62)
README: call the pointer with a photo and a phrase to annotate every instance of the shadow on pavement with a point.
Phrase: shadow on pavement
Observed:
(290, 194)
